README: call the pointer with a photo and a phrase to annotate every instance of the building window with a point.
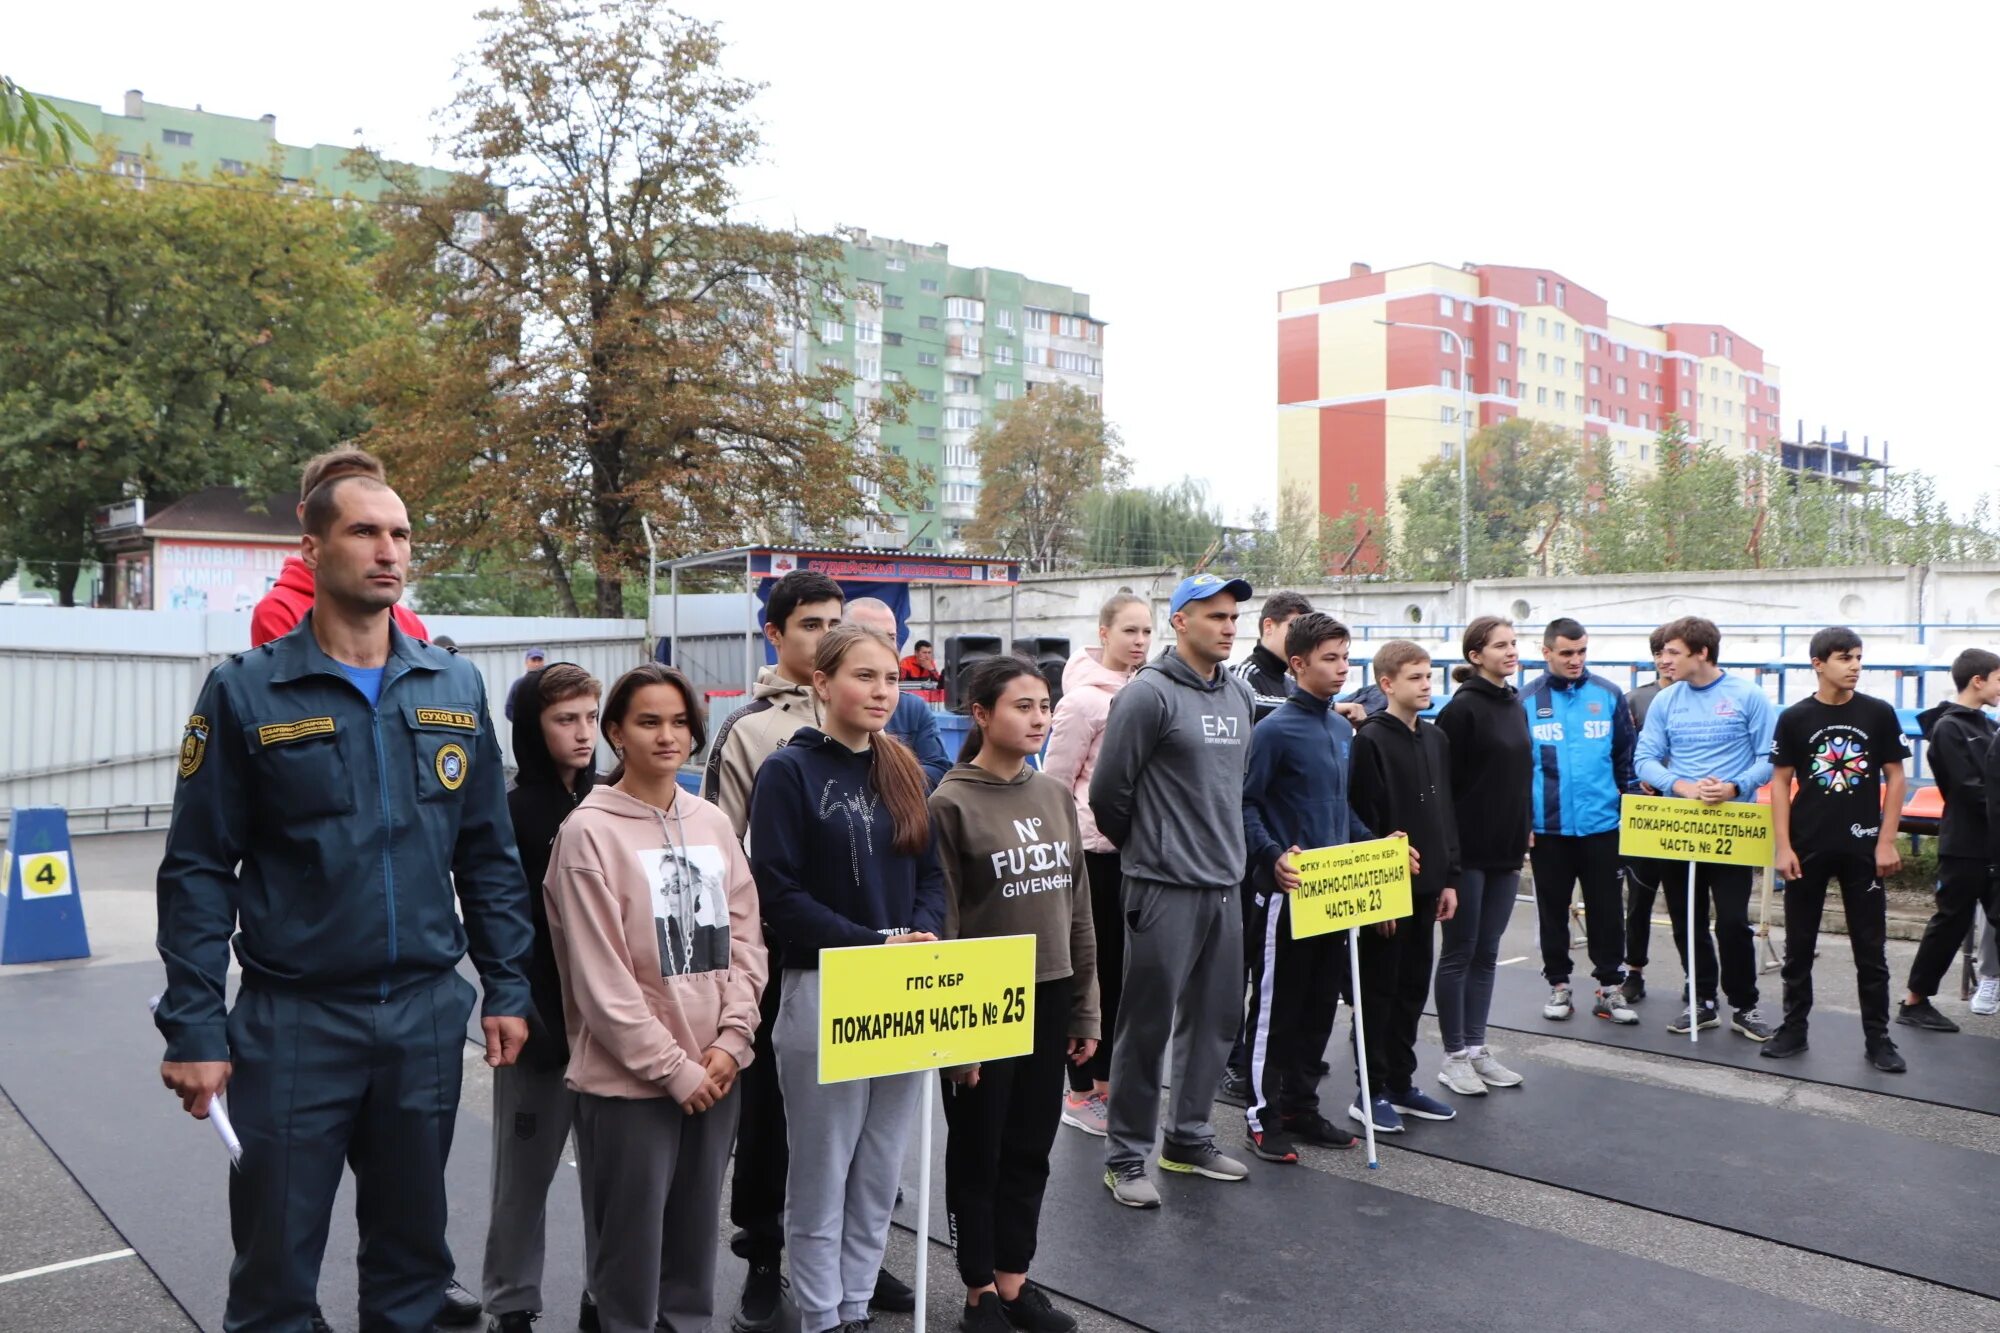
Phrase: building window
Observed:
(893, 301)
(871, 292)
(1089, 331)
(1623, 419)
(927, 432)
(893, 376)
(893, 339)
(831, 411)
(231, 167)
(1448, 378)
(927, 358)
(1541, 327)
(1541, 289)
(927, 284)
(867, 368)
(1447, 342)
(1562, 366)
(1642, 360)
(1541, 361)
(1645, 422)
(1004, 391)
(1038, 321)
(965, 344)
(1446, 449)
(927, 321)
(1447, 415)
(1501, 351)
(1541, 394)
(961, 418)
(1619, 384)
(895, 264)
(965, 308)
(1714, 374)
(832, 363)
(832, 330)
(1506, 388)
(1562, 296)
(1645, 451)
(927, 395)
(1712, 341)
(178, 138)
(1562, 331)
(1597, 407)
(866, 332)
(1596, 375)
(1620, 353)
(1728, 346)
(1595, 342)
(1003, 355)
(1562, 401)
(1004, 319)
(963, 384)
(1444, 306)
(1501, 317)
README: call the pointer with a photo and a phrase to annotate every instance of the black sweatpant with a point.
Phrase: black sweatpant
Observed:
(1395, 981)
(1239, 1050)
(1866, 906)
(1107, 917)
(1294, 987)
(757, 1189)
(1728, 888)
(1561, 862)
(1963, 883)
(1643, 878)
(998, 1136)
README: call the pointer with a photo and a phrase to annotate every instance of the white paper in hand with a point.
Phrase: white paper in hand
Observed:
(218, 1110)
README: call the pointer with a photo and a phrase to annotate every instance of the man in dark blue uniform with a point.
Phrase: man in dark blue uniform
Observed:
(334, 784)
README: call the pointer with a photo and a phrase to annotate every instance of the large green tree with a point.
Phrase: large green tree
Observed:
(1526, 480)
(594, 337)
(1040, 461)
(1159, 525)
(156, 340)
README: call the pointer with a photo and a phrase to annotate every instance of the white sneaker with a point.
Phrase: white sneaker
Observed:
(1491, 1072)
(1986, 1000)
(1455, 1072)
(1559, 1006)
(1611, 1005)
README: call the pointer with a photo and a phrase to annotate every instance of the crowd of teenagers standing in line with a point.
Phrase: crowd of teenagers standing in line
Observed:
(649, 956)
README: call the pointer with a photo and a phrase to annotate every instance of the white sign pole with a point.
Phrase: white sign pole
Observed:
(1361, 1042)
(1694, 1000)
(924, 1199)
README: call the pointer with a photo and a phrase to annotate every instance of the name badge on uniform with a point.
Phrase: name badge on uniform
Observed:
(284, 733)
(447, 717)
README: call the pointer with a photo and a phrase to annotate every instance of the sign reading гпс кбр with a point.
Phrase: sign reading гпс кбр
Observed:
(900, 1008)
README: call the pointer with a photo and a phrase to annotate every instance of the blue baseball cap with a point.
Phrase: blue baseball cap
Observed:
(1201, 587)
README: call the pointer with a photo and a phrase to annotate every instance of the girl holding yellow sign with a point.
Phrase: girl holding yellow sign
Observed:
(1009, 843)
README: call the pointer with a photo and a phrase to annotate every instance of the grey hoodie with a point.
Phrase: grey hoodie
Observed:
(1168, 786)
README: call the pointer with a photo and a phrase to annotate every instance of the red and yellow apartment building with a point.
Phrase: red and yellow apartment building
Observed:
(1365, 401)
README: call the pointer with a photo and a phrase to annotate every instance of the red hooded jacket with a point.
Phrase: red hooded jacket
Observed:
(282, 608)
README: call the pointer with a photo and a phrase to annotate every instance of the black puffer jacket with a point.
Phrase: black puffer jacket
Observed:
(539, 803)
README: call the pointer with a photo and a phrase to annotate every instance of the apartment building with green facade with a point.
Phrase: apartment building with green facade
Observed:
(155, 139)
(967, 342)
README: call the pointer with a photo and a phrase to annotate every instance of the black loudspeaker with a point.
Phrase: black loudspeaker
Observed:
(1050, 656)
(961, 652)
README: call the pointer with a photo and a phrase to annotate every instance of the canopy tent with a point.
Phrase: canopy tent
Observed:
(860, 572)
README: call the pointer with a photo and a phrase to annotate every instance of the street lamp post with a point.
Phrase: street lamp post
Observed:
(1464, 494)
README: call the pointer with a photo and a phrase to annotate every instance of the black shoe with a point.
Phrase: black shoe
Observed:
(1273, 1146)
(1709, 1019)
(1235, 1088)
(892, 1294)
(1747, 1023)
(586, 1315)
(763, 1299)
(1633, 988)
(1882, 1053)
(514, 1321)
(1317, 1130)
(1923, 1014)
(984, 1315)
(461, 1309)
(1788, 1041)
(318, 1323)
(1033, 1312)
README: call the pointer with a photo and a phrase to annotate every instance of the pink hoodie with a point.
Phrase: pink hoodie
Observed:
(654, 919)
(1088, 686)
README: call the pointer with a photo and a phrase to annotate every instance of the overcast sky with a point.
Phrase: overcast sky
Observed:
(1813, 176)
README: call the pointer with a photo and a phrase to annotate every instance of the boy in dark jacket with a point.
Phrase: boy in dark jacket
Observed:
(1402, 780)
(1294, 798)
(1961, 737)
(555, 752)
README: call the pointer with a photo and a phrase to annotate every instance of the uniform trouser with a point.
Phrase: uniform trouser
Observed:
(996, 1155)
(1395, 978)
(533, 1109)
(1643, 878)
(1592, 861)
(654, 1178)
(841, 1187)
(318, 1083)
(757, 1189)
(1294, 988)
(1728, 887)
(1184, 981)
(1471, 954)
(1866, 908)
(1964, 883)
(1107, 917)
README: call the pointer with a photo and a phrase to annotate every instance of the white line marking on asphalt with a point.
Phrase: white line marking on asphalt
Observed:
(1522, 959)
(69, 1263)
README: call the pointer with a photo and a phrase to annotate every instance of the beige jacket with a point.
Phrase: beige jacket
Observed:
(753, 734)
(653, 915)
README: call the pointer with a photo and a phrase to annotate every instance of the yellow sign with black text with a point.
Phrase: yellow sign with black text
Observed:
(901, 1008)
(1355, 885)
(1670, 828)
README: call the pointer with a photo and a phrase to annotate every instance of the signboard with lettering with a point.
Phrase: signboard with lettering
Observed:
(1355, 885)
(900, 1008)
(889, 567)
(214, 576)
(1670, 828)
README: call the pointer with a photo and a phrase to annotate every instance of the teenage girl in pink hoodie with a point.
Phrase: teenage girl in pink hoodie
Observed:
(1093, 677)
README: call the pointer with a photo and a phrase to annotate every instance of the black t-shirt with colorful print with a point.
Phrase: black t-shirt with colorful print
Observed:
(1838, 753)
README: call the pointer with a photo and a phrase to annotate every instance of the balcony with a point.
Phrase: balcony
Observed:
(964, 365)
(958, 510)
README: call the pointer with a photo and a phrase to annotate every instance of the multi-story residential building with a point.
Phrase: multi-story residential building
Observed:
(1365, 399)
(966, 342)
(153, 138)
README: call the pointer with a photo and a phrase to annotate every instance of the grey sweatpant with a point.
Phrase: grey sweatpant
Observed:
(1184, 978)
(847, 1145)
(532, 1112)
(655, 1189)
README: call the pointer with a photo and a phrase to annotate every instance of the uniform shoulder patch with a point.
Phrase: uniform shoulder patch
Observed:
(194, 745)
(452, 766)
(283, 733)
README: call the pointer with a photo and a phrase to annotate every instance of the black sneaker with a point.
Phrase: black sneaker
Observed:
(1923, 1014)
(586, 1315)
(1788, 1042)
(763, 1299)
(1034, 1313)
(513, 1321)
(1318, 1131)
(984, 1315)
(1709, 1019)
(1746, 1022)
(460, 1308)
(1633, 988)
(1273, 1146)
(1235, 1088)
(892, 1294)
(1882, 1053)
